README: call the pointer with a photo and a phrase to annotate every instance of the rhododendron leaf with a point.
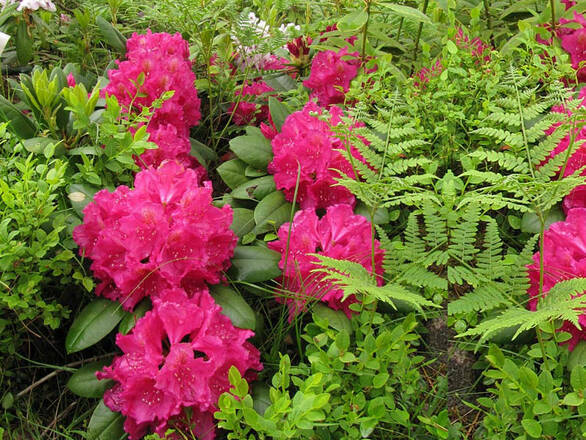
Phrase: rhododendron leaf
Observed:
(202, 152)
(111, 35)
(253, 172)
(242, 221)
(95, 321)
(80, 195)
(19, 123)
(84, 382)
(336, 318)
(253, 148)
(255, 264)
(381, 215)
(278, 111)
(282, 83)
(530, 222)
(24, 43)
(577, 356)
(130, 319)
(105, 424)
(271, 212)
(407, 12)
(353, 21)
(256, 189)
(232, 173)
(234, 307)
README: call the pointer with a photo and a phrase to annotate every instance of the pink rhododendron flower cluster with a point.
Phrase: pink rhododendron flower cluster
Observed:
(163, 60)
(331, 74)
(338, 234)
(249, 112)
(309, 142)
(177, 357)
(564, 257)
(163, 233)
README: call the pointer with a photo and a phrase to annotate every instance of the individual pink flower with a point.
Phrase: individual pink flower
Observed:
(175, 365)
(71, 80)
(339, 234)
(163, 60)
(331, 74)
(308, 142)
(163, 233)
(564, 258)
(248, 111)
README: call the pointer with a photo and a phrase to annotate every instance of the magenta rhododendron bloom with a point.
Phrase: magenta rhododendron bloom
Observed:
(330, 72)
(310, 143)
(163, 59)
(339, 234)
(564, 258)
(248, 111)
(163, 233)
(176, 358)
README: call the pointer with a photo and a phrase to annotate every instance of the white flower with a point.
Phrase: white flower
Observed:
(33, 5)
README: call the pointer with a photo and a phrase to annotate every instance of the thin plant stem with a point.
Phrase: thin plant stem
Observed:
(553, 19)
(419, 30)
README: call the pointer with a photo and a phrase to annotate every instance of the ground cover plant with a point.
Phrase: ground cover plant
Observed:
(289, 219)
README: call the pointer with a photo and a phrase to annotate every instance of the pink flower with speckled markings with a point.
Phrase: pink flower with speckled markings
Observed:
(339, 234)
(564, 258)
(309, 143)
(175, 365)
(163, 233)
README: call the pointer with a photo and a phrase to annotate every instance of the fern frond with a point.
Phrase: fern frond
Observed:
(354, 279)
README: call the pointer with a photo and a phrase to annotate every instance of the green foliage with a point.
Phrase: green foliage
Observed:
(527, 400)
(355, 385)
(31, 233)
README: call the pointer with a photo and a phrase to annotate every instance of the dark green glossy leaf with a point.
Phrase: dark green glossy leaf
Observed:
(130, 319)
(234, 307)
(242, 221)
(255, 264)
(24, 43)
(271, 212)
(279, 112)
(105, 424)
(232, 173)
(253, 148)
(95, 322)
(84, 382)
(111, 35)
(256, 189)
